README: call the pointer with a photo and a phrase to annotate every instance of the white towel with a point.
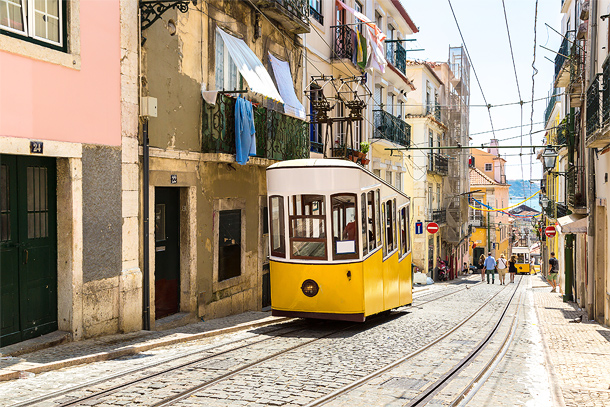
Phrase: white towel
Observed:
(209, 95)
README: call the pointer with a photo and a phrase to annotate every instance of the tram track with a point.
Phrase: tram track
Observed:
(433, 389)
(191, 364)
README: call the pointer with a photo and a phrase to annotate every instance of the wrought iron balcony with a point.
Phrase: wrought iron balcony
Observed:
(396, 55)
(437, 112)
(606, 94)
(549, 107)
(390, 127)
(556, 210)
(292, 14)
(343, 42)
(278, 136)
(593, 107)
(562, 62)
(575, 185)
(562, 133)
(438, 164)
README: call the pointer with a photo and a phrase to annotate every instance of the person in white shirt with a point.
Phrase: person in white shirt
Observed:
(502, 267)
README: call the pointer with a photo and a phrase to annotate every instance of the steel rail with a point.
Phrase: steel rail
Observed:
(377, 373)
(427, 395)
(115, 388)
(475, 385)
(142, 368)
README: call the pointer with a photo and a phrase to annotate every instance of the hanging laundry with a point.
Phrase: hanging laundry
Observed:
(375, 36)
(362, 55)
(283, 78)
(209, 95)
(355, 47)
(245, 138)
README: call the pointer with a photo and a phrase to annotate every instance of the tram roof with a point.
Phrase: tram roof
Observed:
(315, 162)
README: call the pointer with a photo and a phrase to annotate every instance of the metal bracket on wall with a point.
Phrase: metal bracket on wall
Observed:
(152, 10)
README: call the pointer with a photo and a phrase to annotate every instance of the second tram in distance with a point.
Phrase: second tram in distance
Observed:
(340, 244)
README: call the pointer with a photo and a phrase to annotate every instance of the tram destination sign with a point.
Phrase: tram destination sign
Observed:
(432, 227)
(550, 231)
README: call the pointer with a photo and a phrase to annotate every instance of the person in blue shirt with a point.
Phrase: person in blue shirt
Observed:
(490, 267)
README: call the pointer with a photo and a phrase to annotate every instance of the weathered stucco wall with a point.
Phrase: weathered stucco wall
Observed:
(102, 221)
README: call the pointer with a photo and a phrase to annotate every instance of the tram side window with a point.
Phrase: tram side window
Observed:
(385, 241)
(363, 221)
(378, 218)
(403, 231)
(345, 231)
(389, 226)
(521, 258)
(372, 220)
(307, 217)
(408, 227)
(395, 224)
(276, 209)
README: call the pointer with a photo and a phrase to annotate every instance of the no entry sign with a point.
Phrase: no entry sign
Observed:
(550, 231)
(432, 227)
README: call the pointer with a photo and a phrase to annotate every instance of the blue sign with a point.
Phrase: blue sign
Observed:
(419, 228)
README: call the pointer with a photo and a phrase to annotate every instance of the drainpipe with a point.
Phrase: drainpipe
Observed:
(146, 225)
(569, 267)
(488, 235)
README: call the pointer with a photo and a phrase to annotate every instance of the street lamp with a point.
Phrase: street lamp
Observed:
(549, 158)
(544, 202)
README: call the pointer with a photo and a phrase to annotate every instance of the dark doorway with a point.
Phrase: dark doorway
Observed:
(266, 294)
(28, 248)
(167, 251)
(477, 252)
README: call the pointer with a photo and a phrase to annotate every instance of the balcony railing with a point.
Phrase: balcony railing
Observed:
(343, 42)
(278, 136)
(293, 14)
(438, 164)
(593, 111)
(562, 134)
(563, 55)
(606, 94)
(556, 210)
(575, 182)
(550, 105)
(396, 55)
(439, 216)
(390, 127)
(437, 112)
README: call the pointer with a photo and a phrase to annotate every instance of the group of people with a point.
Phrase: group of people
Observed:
(488, 266)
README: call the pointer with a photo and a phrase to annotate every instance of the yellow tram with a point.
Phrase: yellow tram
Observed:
(340, 244)
(523, 260)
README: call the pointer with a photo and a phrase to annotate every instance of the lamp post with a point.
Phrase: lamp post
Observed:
(549, 158)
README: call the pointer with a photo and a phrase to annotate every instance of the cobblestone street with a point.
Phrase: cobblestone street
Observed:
(515, 345)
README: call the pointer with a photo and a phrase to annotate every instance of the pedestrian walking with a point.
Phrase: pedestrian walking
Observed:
(512, 268)
(490, 267)
(502, 266)
(553, 270)
(465, 269)
(481, 267)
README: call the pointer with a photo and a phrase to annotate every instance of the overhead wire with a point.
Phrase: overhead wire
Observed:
(472, 66)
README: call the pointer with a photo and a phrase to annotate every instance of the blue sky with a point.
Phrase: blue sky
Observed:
(484, 29)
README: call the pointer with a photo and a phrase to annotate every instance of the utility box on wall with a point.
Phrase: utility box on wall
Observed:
(148, 106)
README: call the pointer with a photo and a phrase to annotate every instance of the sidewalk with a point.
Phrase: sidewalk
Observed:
(115, 346)
(579, 353)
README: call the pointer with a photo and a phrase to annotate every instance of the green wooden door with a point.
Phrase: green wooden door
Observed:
(28, 248)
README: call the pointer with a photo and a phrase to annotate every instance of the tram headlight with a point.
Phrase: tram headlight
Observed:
(310, 288)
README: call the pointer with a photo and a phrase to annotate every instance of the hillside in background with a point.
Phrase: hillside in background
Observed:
(521, 189)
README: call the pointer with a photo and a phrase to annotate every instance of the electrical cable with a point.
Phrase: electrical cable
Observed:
(473, 69)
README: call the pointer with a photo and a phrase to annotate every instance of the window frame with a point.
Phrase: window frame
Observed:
(292, 239)
(491, 167)
(345, 256)
(282, 248)
(28, 33)
(227, 65)
(364, 223)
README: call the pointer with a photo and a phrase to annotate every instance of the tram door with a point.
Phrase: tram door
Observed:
(28, 248)
(167, 251)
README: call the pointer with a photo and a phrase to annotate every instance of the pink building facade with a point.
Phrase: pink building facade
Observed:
(69, 194)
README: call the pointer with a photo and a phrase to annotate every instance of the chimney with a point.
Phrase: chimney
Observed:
(493, 143)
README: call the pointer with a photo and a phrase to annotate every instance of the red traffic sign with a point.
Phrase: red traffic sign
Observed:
(550, 231)
(432, 227)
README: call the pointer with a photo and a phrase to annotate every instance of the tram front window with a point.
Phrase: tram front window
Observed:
(345, 236)
(307, 218)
